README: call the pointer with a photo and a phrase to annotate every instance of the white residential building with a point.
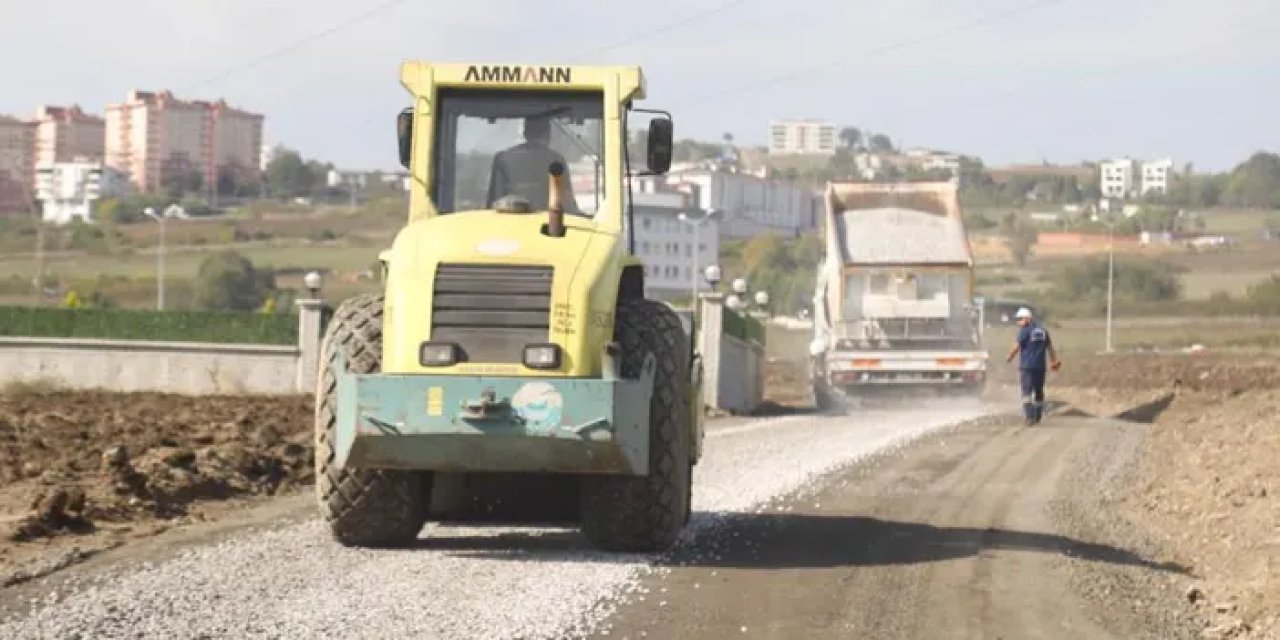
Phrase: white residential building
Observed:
(67, 190)
(802, 137)
(1127, 178)
(749, 204)
(946, 161)
(1118, 179)
(674, 253)
(269, 153)
(1156, 175)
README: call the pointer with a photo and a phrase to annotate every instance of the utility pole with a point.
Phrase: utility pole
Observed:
(36, 202)
(39, 278)
(151, 213)
(1111, 274)
(697, 270)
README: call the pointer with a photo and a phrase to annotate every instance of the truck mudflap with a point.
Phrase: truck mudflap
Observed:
(498, 424)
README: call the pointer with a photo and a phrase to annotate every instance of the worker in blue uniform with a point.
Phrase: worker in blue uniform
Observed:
(1034, 349)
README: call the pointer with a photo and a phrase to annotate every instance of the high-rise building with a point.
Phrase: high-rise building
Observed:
(802, 137)
(155, 137)
(17, 164)
(65, 134)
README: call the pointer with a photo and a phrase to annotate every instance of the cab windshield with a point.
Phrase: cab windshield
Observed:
(491, 145)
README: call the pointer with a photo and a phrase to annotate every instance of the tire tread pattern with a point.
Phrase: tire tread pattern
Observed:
(647, 513)
(363, 507)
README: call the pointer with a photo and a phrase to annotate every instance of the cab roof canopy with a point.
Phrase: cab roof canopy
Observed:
(628, 81)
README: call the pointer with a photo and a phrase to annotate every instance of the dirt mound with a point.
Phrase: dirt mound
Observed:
(1207, 483)
(1212, 373)
(1210, 484)
(72, 462)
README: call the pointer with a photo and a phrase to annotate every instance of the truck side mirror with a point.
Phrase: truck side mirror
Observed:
(404, 134)
(660, 145)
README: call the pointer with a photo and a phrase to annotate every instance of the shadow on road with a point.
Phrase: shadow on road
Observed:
(1147, 412)
(780, 541)
(786, 541)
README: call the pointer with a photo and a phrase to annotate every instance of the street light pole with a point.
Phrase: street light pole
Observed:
(151, 213)
(696, 271)
(1111, 275)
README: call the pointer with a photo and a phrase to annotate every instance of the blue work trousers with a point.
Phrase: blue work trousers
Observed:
(1033, 393)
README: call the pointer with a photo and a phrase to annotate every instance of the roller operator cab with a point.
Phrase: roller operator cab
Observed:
(513, 341)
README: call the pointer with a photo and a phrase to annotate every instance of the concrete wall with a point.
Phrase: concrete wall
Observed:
(174, 367)
(194, 368)
(733, 369)
(741, 379)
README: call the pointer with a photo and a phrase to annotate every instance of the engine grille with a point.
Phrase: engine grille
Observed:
(491, 311)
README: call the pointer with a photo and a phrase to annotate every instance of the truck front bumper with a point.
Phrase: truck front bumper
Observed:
(872, 377)
(494, 424)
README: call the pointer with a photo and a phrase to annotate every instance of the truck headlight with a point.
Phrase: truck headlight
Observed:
(437, 354)
(542, 356)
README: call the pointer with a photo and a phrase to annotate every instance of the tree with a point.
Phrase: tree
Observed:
(227, 281)
(1019, 236)
(783, 267)
(851, 138)
(881, 143)
(1135, 281)
(288, 176)
(1264, 297)
(1255, 182)
(178, 178)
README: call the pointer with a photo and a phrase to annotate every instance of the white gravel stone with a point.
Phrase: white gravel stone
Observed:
(294, 582)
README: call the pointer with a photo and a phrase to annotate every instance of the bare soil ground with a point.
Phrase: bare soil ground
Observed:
(87, 471)
(1206, 483)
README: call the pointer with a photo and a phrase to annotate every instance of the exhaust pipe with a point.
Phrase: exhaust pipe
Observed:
(555, 204)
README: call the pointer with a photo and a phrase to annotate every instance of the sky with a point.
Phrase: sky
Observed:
(1012, 81)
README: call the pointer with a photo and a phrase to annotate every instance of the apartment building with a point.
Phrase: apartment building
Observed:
(1156, 175)
(1118, 177)
(65, 134)
(1126, 177)
(153, 135)
(749, 204)
(802, 137)
(673, 252)
(17, 164)
(67, 190)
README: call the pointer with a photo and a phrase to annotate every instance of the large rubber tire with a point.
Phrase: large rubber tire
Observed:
(363, 507)
(823, 400)
(646, 513)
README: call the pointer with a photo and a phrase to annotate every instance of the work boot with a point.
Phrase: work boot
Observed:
(1028, 410)
(1037, 412)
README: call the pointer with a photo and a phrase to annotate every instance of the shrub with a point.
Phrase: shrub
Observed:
(176, 326)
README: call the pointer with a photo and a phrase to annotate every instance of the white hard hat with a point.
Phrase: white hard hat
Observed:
(1022, 313)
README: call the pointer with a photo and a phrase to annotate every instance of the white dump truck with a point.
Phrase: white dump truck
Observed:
(894, 306)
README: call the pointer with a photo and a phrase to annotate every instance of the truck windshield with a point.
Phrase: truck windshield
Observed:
(493, 144)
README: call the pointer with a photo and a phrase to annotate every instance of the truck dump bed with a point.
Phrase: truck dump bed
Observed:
(896, 224)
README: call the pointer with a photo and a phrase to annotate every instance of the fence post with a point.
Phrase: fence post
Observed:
(309, 312)
(710, 329)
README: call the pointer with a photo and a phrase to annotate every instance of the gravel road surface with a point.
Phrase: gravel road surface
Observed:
(985, 531)
(460, 582)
